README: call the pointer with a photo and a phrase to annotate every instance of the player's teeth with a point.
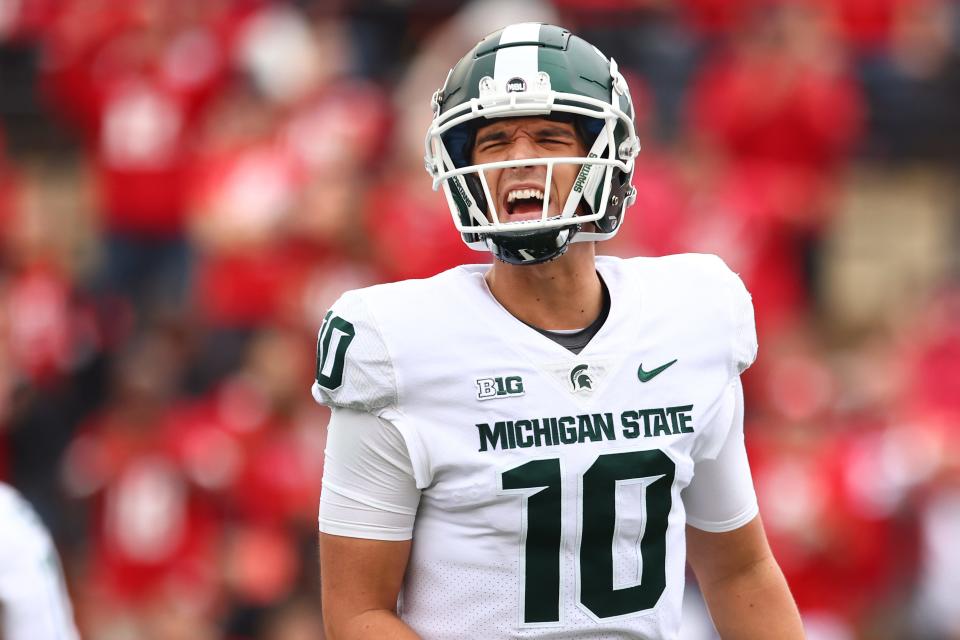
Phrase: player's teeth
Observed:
(524, 194)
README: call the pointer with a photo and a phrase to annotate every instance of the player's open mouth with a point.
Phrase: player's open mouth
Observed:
(524, 201)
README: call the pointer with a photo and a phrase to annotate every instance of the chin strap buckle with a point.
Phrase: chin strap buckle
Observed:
(629, 148)
(619, 83)
(436, 101)
(429, 165)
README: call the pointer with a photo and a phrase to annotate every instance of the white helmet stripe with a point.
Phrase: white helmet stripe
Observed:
(514, 62)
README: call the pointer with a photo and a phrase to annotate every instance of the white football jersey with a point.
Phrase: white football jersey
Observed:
(550, 481)
(33, 599)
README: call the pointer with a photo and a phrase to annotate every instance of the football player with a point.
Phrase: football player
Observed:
(533, 448)
(34, 604)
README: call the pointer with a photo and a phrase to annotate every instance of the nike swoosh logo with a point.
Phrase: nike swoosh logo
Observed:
(647, 376)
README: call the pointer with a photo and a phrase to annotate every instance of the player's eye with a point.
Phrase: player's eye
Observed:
(491, 146)
(553, 141)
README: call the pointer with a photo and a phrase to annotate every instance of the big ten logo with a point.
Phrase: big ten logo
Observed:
(490, 388)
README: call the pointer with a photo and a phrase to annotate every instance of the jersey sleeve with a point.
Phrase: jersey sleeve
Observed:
(33, 596)
(721, 496)
(369, 490)
(730, 299)
(736, 344)
(354, 369)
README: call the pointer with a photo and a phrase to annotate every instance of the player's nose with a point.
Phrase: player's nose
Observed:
(521, 148)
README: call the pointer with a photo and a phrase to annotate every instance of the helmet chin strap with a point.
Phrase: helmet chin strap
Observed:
(530, 248)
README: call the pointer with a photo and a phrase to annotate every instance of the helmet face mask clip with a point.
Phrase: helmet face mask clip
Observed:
(534, 70)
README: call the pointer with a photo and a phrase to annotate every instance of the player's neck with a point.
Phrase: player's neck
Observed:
(559, 295)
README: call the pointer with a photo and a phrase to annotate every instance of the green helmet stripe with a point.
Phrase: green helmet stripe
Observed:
(517, 61)
(461, 88)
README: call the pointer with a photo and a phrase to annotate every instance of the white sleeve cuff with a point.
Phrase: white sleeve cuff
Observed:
(749, 513)
(343, 515)
(721, 497)
(368, 486)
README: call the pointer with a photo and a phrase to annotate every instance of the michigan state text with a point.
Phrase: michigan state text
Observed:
(588, 427)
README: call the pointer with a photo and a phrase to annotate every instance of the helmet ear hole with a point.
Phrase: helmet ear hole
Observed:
(619, 190)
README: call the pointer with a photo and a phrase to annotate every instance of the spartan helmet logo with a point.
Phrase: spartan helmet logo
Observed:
(579, 378)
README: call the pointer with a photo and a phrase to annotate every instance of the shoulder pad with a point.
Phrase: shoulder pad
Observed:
(354, 369)
(744, 339)
(718, 287)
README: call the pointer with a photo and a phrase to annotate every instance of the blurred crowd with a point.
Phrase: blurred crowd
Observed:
(185, 187)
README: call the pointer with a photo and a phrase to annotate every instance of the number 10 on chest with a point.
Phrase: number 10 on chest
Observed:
(539, 482)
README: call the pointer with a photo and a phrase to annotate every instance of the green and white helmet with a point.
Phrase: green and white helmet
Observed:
(533, 69)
